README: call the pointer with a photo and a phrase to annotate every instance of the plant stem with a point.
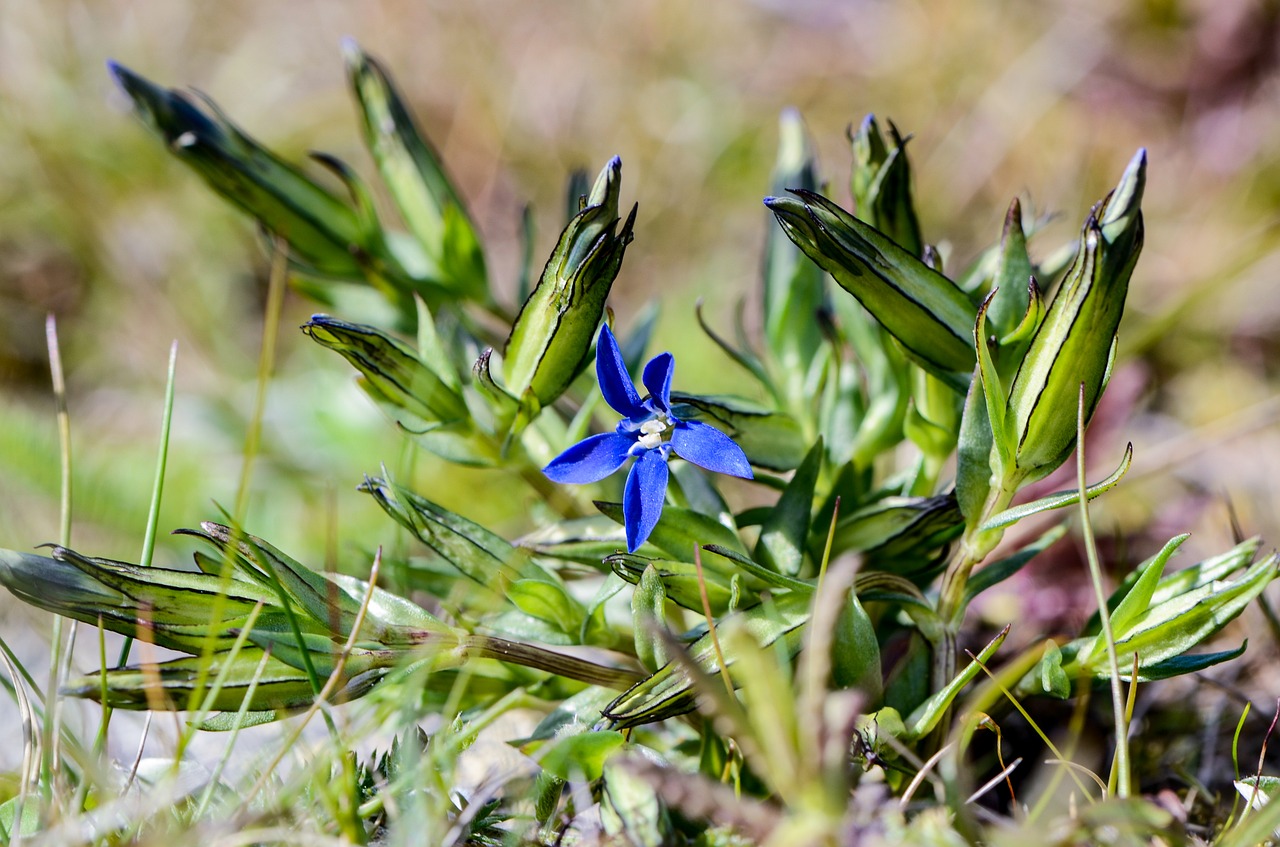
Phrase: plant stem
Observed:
(1104, 614)
(972, 550)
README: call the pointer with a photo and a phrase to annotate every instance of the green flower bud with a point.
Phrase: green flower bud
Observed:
(551, 339)
(279, 687)
(794, 291)
(929, 316)
(326, 236)
(413, 173)
(1075, 342)
(423, 399)
(680, 580)
(672, 689)
(881, 184)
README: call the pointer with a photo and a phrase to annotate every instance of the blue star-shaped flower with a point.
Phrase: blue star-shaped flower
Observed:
(650, 432)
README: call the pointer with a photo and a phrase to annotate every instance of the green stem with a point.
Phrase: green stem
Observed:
(1121, 773)
(974, 547)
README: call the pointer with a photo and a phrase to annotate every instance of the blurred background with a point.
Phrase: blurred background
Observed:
(1046, 101)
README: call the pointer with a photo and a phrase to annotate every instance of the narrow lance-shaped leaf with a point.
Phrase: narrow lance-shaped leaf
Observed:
(411, 393)
(784, 534)
(1175, 626)
(681, 583)
(900, 534)
(975, 454)
(648, 613)
(171, 608)
(1013, 272)
(392, 368)
(279, 687)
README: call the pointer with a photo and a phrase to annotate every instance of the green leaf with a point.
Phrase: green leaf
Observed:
(1207, 572)
(855, 651)
(751, 570)
(922, 721)
(584, 540)
(477, 553)
(679, 531)
(1053, 679)
(1187, 663)
(631, 811)
(1175, 626)
(1259, 790)
(784, 533)
(384, 606)
(679, 580)
(229, 721)
(411, 393)
(1012, 275)
(904, 535)
(998, 571)
(1074, 342)
(280, 686)
(648, 614)
(547, 602)
(581, 756)
(1002, 437)
(881, 184)
(771, 440)
(794, 289)
(30, 824)
(1137, 599)
(743, 355)
(173, 609)
(312, 592)
(975, 455)
(1060, 499)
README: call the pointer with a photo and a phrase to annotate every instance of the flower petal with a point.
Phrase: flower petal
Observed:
(708, 447)
(657, 378)
(591, 459)
(615, 383)
(642, 499)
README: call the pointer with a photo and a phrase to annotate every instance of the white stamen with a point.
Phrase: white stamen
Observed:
(653, 427)
(649, 440)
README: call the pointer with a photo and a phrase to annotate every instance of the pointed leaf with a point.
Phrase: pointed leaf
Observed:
(784, 534)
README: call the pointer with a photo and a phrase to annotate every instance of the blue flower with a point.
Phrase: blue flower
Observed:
(650, 432)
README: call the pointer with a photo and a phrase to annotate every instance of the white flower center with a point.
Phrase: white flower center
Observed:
(651, 433)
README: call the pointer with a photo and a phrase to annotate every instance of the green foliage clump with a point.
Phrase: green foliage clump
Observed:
(788, 672)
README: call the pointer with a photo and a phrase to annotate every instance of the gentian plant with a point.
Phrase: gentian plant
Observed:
(901, 410)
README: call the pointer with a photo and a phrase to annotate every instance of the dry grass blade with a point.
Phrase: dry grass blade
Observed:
(701, 799)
